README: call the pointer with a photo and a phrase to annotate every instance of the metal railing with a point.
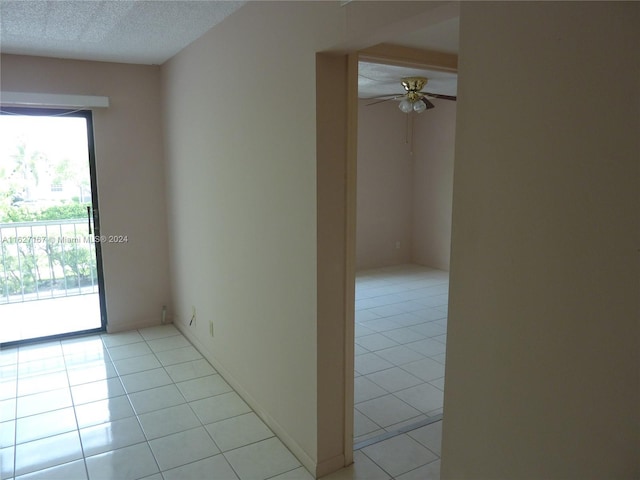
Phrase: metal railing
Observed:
(46, 259)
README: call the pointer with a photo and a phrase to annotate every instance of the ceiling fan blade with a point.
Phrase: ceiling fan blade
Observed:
(428, 103)
(379, 101)
(440, 96)
(391, 96)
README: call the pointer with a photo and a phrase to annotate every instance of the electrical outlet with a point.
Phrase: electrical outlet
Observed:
(397, 245)
(211, 328)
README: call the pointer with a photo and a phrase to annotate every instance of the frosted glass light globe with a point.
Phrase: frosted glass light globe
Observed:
(406, 106)
(419, 106)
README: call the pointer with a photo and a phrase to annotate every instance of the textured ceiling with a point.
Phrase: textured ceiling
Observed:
(376, 79)
(152, 31)
(146, 32)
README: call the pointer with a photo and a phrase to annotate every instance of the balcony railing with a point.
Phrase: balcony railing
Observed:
(46, 259)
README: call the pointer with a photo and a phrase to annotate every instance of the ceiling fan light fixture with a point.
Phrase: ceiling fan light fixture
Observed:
(406, 106)
(419, 106)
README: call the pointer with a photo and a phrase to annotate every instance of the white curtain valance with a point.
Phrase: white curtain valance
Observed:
(28, 99)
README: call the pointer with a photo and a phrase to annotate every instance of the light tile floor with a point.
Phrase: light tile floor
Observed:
(401, 331)
(146, 404)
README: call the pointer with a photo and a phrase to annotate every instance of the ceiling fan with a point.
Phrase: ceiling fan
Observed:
(414, 99)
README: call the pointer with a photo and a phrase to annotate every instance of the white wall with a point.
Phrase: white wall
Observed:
(434, 145)
(130, 175)
(543, 334)
(405, 182)
(240, 123)
(241, 160)
(385, 186)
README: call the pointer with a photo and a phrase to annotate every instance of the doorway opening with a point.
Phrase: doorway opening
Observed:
(403, 228)
(51, 281)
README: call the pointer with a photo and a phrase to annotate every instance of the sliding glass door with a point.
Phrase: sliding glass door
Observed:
(51, 281)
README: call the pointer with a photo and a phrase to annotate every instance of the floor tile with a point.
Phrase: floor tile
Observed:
(212, 468)
(382, 325)
(363, 468)
(393, 379)
(44, 425)
(375, 342)
(430, 471)
(122, 338)
(425, 369)
(8, 389)
(299, 473)
(168, 421)
(406, 319)
(156, 398)
(6, 462)
(126, 463)
(136, 382)
(220, 407)
(93, 373)
(39, 351)
(43, 402)
(365, 389)
(94, 391)
(403, 335)
(90, 344)
(168, 343)
(178, 355)
(7, 409)
(422, 397)
(42, 383)
(388, 309)
(430, 436)
(69, 471)
(438, 383)
(47, 452)
(440, 338)
(182, 448)
(362, 424)
(128, 351)
(8, 372)
(262, 460)
(387, 410)
(370, 362)
(7, 433)
(429, 329)
(203, 387)
(361, 330)
(440, 358)
(86, 359)
(189, 370)
(41, 367)
(360, 350)
(427, 347)
(103, 411)
(364, 315)
(8, 356)
(159, 331)
(136, 364)
(399, 455)
(399, 355)
(238, 431)
(111, 436)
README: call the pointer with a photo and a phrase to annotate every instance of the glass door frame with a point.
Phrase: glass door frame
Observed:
(94, 220)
